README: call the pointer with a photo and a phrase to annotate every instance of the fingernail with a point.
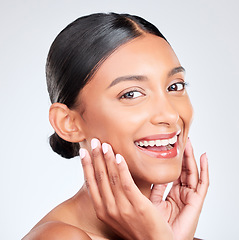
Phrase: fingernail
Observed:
(118, 158)
(94, 143)
(206, 156)
(82, 153)
(105, 148)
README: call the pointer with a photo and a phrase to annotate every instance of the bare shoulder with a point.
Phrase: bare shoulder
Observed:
(54, 230)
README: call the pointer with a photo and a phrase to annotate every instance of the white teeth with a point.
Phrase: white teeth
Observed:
(169, 147)
(158, 143)
(151, 143)
(173, 140)
(163, 142)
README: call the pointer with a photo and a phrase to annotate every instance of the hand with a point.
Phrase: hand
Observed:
(183, 205)
(117, 200)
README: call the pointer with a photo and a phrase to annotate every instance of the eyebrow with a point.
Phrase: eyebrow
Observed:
(128, 78)
(143, 78)
(176, 70)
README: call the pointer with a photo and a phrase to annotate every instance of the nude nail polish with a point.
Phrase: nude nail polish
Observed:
(94, 143)
(118, 158)
(105, 148)
(82, 153)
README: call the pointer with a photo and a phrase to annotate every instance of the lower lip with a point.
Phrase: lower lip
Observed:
(161, 154)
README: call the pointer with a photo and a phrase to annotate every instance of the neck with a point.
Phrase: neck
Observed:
(144, 187)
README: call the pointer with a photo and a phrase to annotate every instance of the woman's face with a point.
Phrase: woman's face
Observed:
(137, 98)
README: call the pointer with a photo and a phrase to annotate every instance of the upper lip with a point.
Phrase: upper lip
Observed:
(159, 136)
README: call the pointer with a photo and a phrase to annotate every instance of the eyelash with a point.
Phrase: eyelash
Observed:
(183, 84)
(123, 96)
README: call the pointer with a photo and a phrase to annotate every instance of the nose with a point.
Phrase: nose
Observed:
(164, 111)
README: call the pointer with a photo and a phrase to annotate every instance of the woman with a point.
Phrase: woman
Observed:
(118, 96)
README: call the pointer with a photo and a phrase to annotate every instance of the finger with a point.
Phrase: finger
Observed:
(129, 187)
(114, 178)
(101, 173)
(111, 165)
(203, 183)
(189, 175)
(120, 199)
(157, 193)
(89, 176)
(175, 190)
(102, 208)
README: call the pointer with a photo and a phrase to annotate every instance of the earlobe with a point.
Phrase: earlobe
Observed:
(63, 120)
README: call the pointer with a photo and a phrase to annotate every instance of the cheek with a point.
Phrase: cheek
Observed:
(115, 124)
(108, 121)
(185, 111)
(188, 113)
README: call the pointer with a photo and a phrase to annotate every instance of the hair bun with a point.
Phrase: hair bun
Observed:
(64, 148)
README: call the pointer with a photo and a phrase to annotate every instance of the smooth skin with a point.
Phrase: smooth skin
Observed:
(137, 92)
(119, 203)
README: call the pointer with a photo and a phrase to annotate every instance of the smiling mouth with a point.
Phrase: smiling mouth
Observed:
(159, 148)
(158, 145)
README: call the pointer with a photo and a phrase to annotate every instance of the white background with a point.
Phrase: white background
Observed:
(33, 179)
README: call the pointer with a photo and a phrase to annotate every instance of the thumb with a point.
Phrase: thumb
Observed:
(157, 192)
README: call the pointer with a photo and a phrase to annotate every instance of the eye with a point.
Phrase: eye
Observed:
(179, 86)
(131, 95)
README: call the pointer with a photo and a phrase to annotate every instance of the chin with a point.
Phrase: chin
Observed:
(160, 175)
(167, 179)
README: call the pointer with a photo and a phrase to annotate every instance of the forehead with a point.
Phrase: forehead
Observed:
(147, 55)
(139, 56)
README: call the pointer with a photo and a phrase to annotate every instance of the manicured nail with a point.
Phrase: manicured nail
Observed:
(105, 148)
(118, 158)
(94, 143)
(206, 156)
(82, 153)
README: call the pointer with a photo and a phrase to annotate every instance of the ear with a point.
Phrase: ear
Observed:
(65, 123)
